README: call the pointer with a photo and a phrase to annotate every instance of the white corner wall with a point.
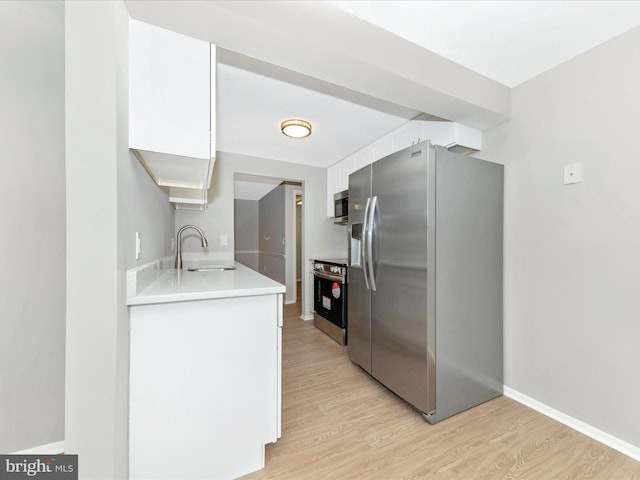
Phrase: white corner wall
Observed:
(109, 198)
(32, 285)
(93, 407)
(572, 258)
(291, 251)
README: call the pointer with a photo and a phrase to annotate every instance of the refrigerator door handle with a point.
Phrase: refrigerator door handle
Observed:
(364, 244)
(372, 210)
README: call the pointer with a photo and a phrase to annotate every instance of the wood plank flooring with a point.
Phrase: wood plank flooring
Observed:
(339, 423)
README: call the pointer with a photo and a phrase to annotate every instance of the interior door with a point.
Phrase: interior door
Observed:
(359, 303)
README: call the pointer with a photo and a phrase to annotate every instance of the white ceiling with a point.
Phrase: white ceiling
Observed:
(252, 187)
(507, 41)
(251, 107)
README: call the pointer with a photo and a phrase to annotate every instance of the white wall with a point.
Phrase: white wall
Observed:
(291, 248)
(572, 258)
(320, 236)
(109, 197)
(298, 241)
(32, 284)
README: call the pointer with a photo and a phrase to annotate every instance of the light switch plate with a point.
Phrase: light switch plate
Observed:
(138, 246)
(572, 173)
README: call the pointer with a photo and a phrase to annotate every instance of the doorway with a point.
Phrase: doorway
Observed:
(267, 230)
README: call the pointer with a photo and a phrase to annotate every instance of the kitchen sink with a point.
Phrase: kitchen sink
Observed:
(211, 268)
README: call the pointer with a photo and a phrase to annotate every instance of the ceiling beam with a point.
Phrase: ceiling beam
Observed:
(320, 41)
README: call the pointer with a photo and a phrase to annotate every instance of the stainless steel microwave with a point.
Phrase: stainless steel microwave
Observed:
(341, 207)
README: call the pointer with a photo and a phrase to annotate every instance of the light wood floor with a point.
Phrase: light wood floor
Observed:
(339, 423)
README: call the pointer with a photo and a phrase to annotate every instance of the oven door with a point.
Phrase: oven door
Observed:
(330, 300)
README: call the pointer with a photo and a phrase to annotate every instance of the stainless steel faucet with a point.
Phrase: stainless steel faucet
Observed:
(203, 239)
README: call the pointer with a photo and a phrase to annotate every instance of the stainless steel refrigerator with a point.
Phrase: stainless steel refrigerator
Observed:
(425, 277)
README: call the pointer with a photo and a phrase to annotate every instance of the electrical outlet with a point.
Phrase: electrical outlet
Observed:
(224, 240)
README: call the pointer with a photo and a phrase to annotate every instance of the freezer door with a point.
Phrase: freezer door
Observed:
(402, 355)
(359, 298)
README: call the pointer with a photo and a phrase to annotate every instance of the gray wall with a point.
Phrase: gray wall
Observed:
(571, 252)
(32, 284)
(321, 236)
(246, 232)
(109, 198)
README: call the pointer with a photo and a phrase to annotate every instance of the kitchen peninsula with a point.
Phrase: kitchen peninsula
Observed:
(205, 370)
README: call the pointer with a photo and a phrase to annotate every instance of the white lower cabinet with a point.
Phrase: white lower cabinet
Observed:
(205, 387)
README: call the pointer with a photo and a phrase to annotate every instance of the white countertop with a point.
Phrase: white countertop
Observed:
(155, 282)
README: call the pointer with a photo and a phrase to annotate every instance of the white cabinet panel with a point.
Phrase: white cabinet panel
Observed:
(362, 158)
(204, 387)
(447, 134)
(407, 135)
(172, 106)
(169, 87)
(345, 168)
(338, 174)
(332, 187)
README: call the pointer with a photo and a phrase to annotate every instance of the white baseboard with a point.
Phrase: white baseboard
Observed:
(578, 425)
(306, 317)
(55, 448)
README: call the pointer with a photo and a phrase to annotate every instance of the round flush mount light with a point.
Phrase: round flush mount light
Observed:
(295, 128)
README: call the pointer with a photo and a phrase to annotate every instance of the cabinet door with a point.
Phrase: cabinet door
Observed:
(338, 174)
(345, 168)
(169, 92)
(332, 185)
(407, 135)
(362, 158)
(204, 381)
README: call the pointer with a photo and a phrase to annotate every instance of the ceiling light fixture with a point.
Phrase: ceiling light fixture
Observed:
(295, 128)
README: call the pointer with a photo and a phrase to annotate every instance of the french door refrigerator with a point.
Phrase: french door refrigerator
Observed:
(425, 277)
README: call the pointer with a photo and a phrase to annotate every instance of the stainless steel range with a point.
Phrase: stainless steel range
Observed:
(330, 298)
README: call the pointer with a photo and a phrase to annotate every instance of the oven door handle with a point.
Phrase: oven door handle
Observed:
(328, 276)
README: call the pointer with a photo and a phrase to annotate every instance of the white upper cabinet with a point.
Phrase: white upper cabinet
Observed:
(455, 136)
(172, 110)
